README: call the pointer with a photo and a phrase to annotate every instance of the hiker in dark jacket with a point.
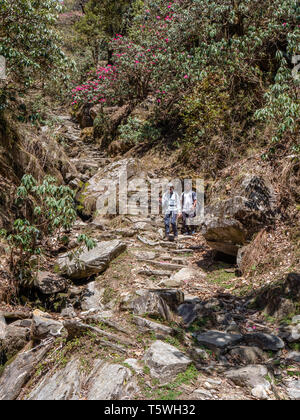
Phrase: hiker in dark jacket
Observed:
(189, 203)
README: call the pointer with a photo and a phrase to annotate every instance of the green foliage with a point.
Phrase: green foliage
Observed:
(29, 40)
(136, 131)
(101, 21)
(243, 49)
(172, 390)
(50, 210)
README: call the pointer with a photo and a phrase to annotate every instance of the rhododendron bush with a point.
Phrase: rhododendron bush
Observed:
(172, 46)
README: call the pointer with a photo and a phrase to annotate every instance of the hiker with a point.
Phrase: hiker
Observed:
(188, 203)
(172, 208)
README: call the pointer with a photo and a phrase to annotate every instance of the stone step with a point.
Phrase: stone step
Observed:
(157, 273)
(165, 265)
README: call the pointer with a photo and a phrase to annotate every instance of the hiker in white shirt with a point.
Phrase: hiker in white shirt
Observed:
(171, 205)
(189, 203)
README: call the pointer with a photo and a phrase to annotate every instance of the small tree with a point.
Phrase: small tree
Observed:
(30, 42)
(49, 209)
(101, 21)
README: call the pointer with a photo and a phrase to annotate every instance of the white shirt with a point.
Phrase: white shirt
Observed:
(187, 201)
(171, 202)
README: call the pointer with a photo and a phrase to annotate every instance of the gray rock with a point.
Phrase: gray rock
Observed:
(145, 255)
(96, 187)
(296, 319)
(216, 339)
(200, 354)
(110, 382)
(166, 266)
(158, 302)
(230, 223)
(135, 364)
(247, 355)
(2, 327)
(293, 389)
(68, 312)
(185, 275)
(294, 334)
(90, 262)
(63, 384)
(173, 297)
(14, 340)
(294, 356)
(147, 241)
(264, 341)
(165, 361)
(159, 329)
(17, 373)
(92, 297)
(189, 312)
(252, 376)
(203, 394)
(49, 283)
(152, 304)
(43, 326)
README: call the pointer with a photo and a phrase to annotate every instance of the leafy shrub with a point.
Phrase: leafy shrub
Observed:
(136, 131)
(173, 46)
(51, 211)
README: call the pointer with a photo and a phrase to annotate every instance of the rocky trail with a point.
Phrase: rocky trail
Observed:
(140, 317)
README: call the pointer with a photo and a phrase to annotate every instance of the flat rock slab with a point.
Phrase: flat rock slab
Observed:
(165, 361)
(264, 341)
(165, 265)
(62, 385)
(145, 255)
(187, 274)
(90, 262)
(294, 389)
(92, 297)
(110, 382)
(17, 373)
(146, 324)
(216, 339)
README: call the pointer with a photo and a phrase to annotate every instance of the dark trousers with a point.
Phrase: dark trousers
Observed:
(171, 217)
(187, 228)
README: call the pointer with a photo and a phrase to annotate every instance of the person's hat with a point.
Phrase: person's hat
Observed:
(170, 184)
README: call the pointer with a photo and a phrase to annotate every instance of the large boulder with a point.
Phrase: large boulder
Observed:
(49, 283)
(264, 341)
(43, 325)
(217, 339)
(231, 223)
(165, 361)
(90, 262)
(101, 184)
(157, 303)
